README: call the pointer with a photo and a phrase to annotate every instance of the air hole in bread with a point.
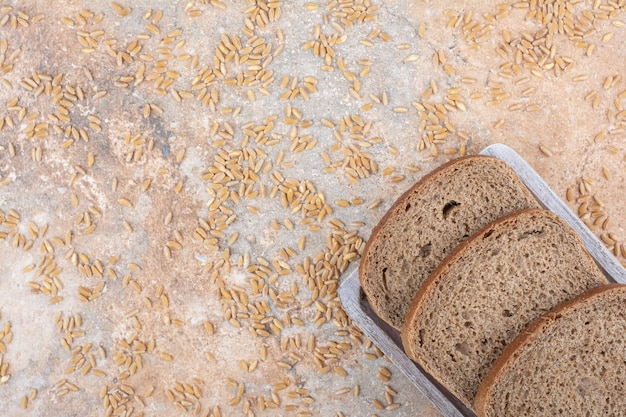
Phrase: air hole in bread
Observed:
(530, 233)
(507, 313)
(384, 282)
(407, 207)
(425, 250)
(448, 208)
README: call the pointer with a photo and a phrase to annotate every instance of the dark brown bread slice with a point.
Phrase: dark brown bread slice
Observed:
(428, 221)
(489, 289)
(569, 362)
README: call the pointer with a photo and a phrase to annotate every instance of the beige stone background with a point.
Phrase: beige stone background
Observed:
(173, 246)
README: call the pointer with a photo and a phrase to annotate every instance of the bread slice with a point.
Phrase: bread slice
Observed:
(569, 362)
(486, 292)
(428, 221)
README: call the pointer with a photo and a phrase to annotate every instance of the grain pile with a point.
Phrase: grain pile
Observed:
(182, 185)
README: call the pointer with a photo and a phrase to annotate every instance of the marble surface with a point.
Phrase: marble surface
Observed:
(188, 228)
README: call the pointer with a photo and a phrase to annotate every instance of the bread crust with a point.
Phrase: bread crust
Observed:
(431, 284)
(534, 329)
(364, 265)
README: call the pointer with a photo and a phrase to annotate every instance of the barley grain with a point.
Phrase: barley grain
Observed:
(545, 150)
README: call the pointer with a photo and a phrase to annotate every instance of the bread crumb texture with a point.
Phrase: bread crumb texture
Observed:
(489, 290)
(579, 349)
(182, 184)
(428, 222)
